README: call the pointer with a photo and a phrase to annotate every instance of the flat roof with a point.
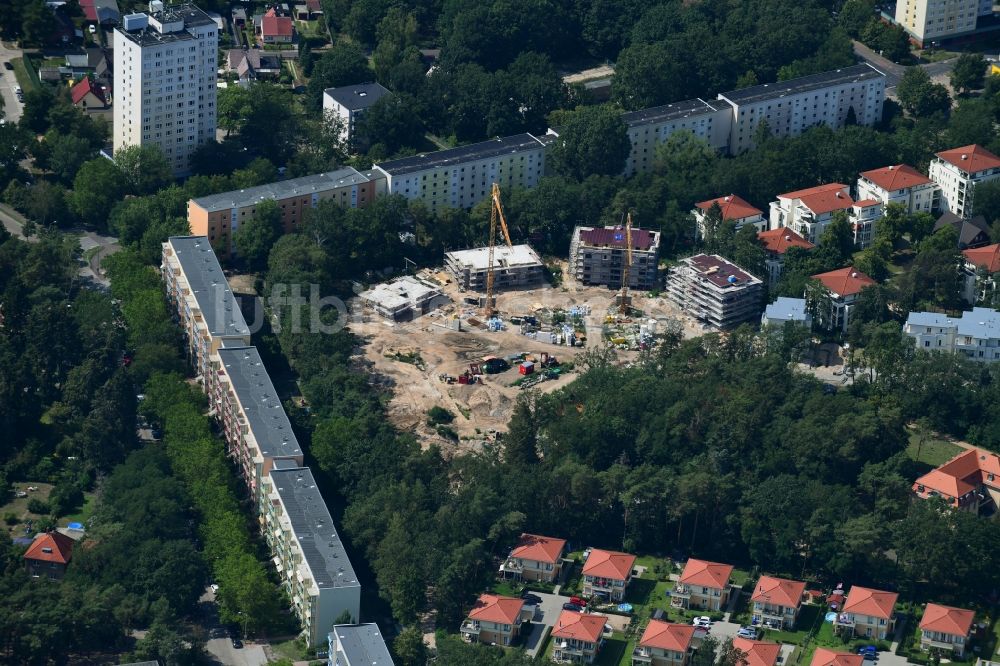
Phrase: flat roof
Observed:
(313, 527)
(191, 15)
(362, 644)
(357, 97)
(720, 272)
(674, 111)
(282, 189)
(402, 291)
(266, 417)
(981, 323)
(454, 156)
(503, 257)
(209, 286)
(788, 309)
(803, 84)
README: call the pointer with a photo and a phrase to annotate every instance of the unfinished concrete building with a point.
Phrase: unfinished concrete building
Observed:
(714, 291)
(402, 299)
(513, 267)
(597, 256)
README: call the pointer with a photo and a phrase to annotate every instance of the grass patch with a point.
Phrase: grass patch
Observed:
(613, 651)
(928, 449)
(505, 589)
(294, 649)
(935, 55)
(25, 74)
(82, 515)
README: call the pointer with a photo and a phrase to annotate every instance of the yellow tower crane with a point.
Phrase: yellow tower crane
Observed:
(623, 305)
(496, 213)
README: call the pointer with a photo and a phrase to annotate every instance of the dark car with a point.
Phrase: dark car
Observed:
(7, 65)
(237, 643)
(869, 651)
(531, 598)
(572, 607)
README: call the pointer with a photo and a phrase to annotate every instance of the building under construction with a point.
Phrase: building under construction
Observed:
(597, 256)
(714, 291)
(403, 299)
(513, 267)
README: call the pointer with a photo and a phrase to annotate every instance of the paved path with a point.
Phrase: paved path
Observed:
(938, 71)
(546, 614)
(11, 107)
(12, 221)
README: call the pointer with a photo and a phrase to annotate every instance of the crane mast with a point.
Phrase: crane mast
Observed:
(496, 213)
(623, 305)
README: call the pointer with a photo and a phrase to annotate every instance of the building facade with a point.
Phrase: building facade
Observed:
(842, 288)
(513, 267)
(979, 267)
(577, 638)
(810, 211)
(598, 255)
(974, 335)
(776, 243)
(969, 482)
(702, 585)
(784, 310)
(867, 613)
(495, 620)
(946, 628)
(929, 20)
(164, 81)
(357, 645)
(899, 184)
(349, 103)
(535, 558)
(606, 574)
(958, 171)
(775, 602)
(402, 299)
(714, 291)
(664, 644)
(731, 207)
(649, 128)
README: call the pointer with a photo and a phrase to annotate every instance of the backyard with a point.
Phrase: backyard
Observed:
(926, 447)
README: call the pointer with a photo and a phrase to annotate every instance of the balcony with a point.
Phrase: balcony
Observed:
(643, 655)
(470, 630)
(512, 566)
(844, 620)
(939, 644)
(567, 648)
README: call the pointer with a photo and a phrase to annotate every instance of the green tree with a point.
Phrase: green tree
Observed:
(255, 237)
(144, 168)
(969, 72)
(344, 64)
(592, 141)
(855, 15)
(391, 124)
(96, 188)
(920, 96)
(648, 75)
(409, 647)
(971, 122)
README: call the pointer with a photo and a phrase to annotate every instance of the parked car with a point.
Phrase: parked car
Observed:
(572, 607)
(578, 601)
(92, 29)
(531, 598)
(868, 651)
(17, 90)
(237, 643)
(8, 66)
(747, 632)
(702, 621)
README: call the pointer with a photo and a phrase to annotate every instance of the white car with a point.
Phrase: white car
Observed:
(747, 632)
(17, 90)
(215, 588)
(92, 28)
(704, 621)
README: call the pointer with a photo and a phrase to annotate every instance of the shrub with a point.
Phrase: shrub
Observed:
(448, 433)
(437, 415)
(38, 506)
(10, 519)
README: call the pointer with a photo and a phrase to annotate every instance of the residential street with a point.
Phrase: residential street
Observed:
(11, 107)
(938, 71)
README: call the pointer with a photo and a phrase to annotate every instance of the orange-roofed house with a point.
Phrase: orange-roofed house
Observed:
(842, 286)
(607, 573)
(535, 558)
(776, 602)
(87, 95)
(864, 215)
(946, 628)
(703, 585)
(731, 207)
(867, 613)
(899, 184)
(958, 171)
(577, 637)
(49, 555)
(664, 644)
(757, 653)
(776, 243)
(811, 210)
(981, 263)
(970, 481)
(275, 29)
(827, 657)
(495, 620)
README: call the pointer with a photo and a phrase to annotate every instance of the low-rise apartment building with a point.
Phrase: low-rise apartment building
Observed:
(842, 289)
(969, 481)
(714, 291)
(899, 184)
(776, 602)
(784, 310)
(495, 620)
(606, 573)
(827, 657)
(981, 264)
(864, 216)
(357, 645)
(577, 638)
(206, 307)
(649, 128)
(757, 653)
(349, 103)
(975, 335)
(946, 628)
(598, 256)
(513, 267)
(867, 613)
(958, 171)
(810, 211)
(535, 558)
(731, 207)
(703, 585)
(663, 644)
(308, 553)
(218, 216)
(776, 243)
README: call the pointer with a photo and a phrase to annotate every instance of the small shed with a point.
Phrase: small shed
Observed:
(526, 368)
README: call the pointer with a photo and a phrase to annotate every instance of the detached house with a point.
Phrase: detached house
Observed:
(577, 638)
(733, 207)
(275, 29)
(776, 602)
(969, 481)
(776, 243)
(946, 628)
(703, 585)
(607, 573)
(981, 264)
(535, 558)
(495, 620)
(899, 184)
(827, 657)
(843, 286)
(664, 644)
(49, 555)
(867, 613)
(757, 653)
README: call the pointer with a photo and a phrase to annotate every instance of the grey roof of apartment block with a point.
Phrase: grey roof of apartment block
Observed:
(209, 286)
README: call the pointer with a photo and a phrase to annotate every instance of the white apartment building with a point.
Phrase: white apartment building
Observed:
(308, 552)
(650, 127)
(732, 207)
(349, 103)
(714, 291)
(808, 212)
(864, 215)
(357, 645)
(165, 81)
(975, 335)
(784, 310)
(843, 286)
(899, 184)
(462, 177)
(790, 107)
(929, 20)
(958, 171)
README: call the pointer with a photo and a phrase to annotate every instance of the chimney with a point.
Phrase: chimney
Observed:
(840, 195)
(964, 156)
(727, 198)
(891, 167)
(854, 274)
(788, 237)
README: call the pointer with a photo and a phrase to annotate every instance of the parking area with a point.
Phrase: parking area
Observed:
(546, 614)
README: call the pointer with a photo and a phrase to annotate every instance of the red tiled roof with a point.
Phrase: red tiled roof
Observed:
(706, 574)
(494, 608)
(898, 177)
(943, 484)
(960, 475)
(273, 25)
(609, 564)
(615, 237)
(585, 627)
(822, 198)
(947, 620)
(59, 547)
(866, 601)
(84, 86)
(779, 591)
(827, 657)
(845, 281)
(865, 203)
(987, 257)
(667, 636)
(733, 207)
(780, 239)
(971, 158)
(757, 653)
(314, 5)
(539, 548)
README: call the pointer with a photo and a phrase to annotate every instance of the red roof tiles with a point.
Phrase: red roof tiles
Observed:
(494, 608)
(272, 25)
(779, 591)
(615, 237)
(667, 636)
(947, 620)
(585, 627)
(733, 207)
(822, 198)
(608, 564)
(960, 475)
(898, 177)
(779, 240)
(866, 601)
(84, 86)
(757, 653)
(539, 548)
(845, 281)
(706, 574)
(51, 547)
(987, 257)
(971, 158)
(827, 657)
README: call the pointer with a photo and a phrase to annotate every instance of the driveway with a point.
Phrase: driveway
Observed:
(546, 614)
(222, 652)
(11, 107)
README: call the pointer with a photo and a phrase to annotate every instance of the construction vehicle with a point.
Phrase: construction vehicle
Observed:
(496, 213)
(623, 305)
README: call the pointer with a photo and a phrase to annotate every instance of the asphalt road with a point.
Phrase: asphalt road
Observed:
(546, 614)
(893, 73)
(11, 107)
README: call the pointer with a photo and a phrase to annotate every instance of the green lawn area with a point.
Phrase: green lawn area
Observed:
(937, 55)
(932, 450)
(82, 515)
(505, 589)
(614, 651)
(25, 73)
(294, 649)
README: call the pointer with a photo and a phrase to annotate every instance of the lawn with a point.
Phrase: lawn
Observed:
(82, 515)
(25, 74)
(932, 450)
(18, 506)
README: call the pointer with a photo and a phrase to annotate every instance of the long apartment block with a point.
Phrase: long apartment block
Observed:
(714, 291)
(650, 127)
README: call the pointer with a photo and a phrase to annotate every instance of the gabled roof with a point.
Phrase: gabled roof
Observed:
(898, 177)
(960, 475)
(84, 86)
(822, 198)
(778, 591)
(973, 230)
(757, 653)
(494, 608)
(585, 627)
(733, 207)
(987, 257)
(845, 281)
(866, 601)
(706, 574)
(947, 620)
(608, 564)
(827, 657)
(971, 159)
(539, 548)
(780, 239)
(273, 25)
(943, 484)
(50, 547)
(667, 636)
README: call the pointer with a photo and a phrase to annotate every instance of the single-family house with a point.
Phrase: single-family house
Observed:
(969, 481)
(49, 555)
(495, 620)
(776, 243)
(946, 628)
(776, 602)
(88, 95)
(827, 657)
(276, 29)
(703, 585)
(972, 232)
(534, 558)
(577, 637)
(842, 288)
(250, 64)
(607, 573)
(733, 208)
(664, 644)
(867, 613)
(757, 653)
